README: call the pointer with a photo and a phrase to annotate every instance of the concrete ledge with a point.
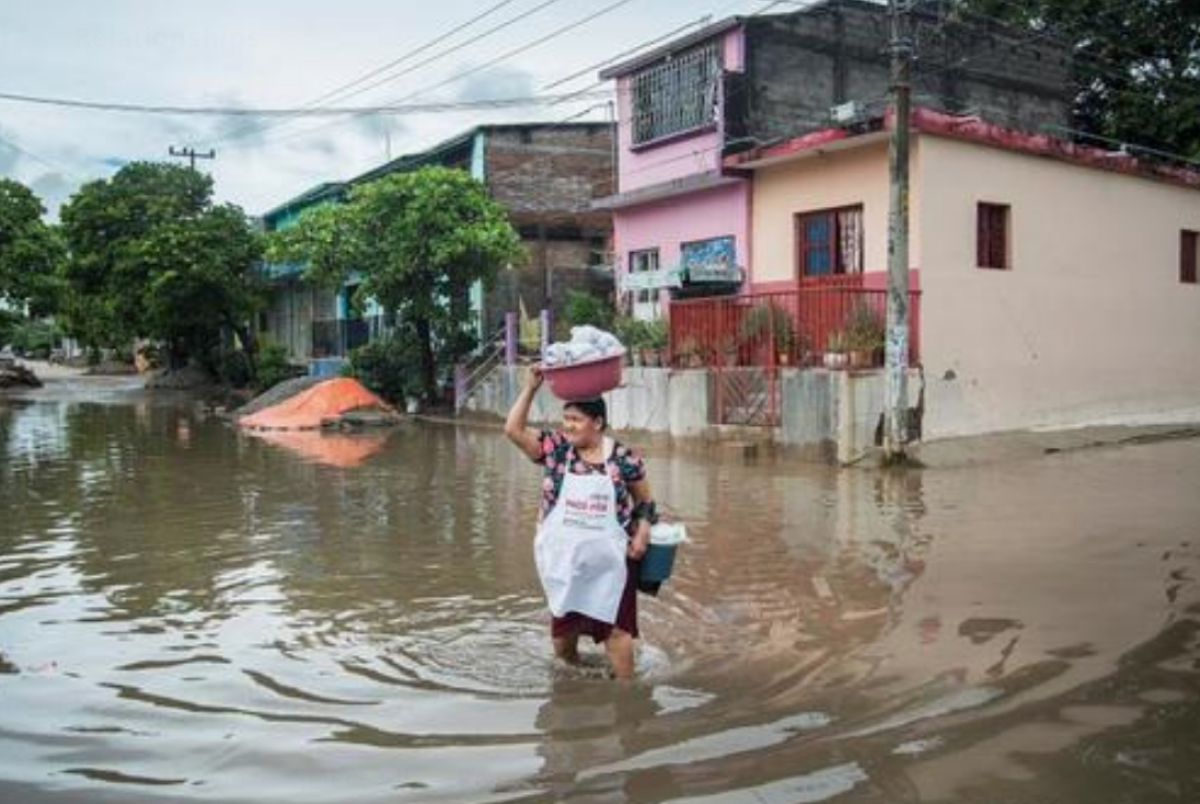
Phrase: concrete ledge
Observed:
(825, 415)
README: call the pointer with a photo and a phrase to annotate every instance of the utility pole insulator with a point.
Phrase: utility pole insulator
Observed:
(191, 154)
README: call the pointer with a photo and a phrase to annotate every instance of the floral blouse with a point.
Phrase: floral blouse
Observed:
(558, 457)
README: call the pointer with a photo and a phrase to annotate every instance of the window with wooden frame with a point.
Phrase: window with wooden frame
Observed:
(1189, 256)
(992, 236)
(829, 242)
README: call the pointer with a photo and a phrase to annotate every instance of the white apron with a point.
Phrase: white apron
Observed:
(580, 547)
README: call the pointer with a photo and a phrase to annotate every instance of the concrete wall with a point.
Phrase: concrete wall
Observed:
(683, 156)
(664, 225)
(821, 180)
(1090, 323)
(836, 415)
(655, 400)
(293, 305)
(799, 65)
(827, 415)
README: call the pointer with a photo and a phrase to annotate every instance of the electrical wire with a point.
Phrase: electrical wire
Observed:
(44, 162)
(247, 131)
(557, 32)
(324, 111)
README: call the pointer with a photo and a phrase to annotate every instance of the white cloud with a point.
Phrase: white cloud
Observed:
(274, 53)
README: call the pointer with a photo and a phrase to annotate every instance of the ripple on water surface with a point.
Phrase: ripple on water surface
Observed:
(189, 614)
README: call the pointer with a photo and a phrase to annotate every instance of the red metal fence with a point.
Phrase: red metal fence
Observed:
(809, 325)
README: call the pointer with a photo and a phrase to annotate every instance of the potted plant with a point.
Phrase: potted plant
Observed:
(785, 337)
(864, 336)
(654, 341)
(835, 356)
(687, 354)
(629, 332)
(775, 321)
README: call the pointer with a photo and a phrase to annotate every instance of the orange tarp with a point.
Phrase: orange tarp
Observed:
(307, 409)
(331, 449)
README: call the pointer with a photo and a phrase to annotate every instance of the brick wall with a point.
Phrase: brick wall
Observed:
(550, 174)
(546, 177)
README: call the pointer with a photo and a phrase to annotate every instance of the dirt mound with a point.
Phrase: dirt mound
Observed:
(325, 402)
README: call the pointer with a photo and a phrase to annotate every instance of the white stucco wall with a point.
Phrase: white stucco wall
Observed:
(1090, 324)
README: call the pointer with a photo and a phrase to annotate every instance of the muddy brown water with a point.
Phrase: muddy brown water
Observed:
(191, 614)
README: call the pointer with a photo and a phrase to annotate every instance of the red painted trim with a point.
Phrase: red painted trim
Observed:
(973, 129)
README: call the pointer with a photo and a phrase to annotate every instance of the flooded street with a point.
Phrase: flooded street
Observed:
(188, 613)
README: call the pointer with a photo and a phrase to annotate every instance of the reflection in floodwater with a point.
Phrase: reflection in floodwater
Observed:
(332, 449)
(187, 612)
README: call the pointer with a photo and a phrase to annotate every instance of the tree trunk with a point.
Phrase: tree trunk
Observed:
(428, 380)
(249, 344)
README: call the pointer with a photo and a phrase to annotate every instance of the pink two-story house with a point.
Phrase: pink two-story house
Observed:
(681, 215)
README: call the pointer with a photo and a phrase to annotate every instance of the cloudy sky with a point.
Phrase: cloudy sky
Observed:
(257, 54)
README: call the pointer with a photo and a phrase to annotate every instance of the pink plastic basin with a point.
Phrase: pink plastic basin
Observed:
(584, 380)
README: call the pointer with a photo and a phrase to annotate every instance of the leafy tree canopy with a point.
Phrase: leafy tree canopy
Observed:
(152, 256)
(418, 241)
(1137, 64)
(29, 250)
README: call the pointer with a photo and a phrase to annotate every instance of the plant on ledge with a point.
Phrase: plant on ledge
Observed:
(774, 319)
(864, 334)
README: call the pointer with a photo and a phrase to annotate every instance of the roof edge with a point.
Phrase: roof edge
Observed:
(675, 45)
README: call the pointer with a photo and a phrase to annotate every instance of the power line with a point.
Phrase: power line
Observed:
(408, 70)
(557, 32)
(628, 52)
(328, 111)
(43, 162)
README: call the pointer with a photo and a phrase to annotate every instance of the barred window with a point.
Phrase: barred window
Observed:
(676, 95)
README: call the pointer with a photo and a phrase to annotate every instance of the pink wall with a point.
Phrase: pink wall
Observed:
(697, 216)
(676, 158)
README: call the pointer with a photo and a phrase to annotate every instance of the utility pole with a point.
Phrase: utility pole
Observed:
(896, 388)
(191, 154)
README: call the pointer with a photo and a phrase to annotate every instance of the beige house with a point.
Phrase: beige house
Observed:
(1058, 282)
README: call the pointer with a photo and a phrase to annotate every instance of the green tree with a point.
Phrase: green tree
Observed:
(151, 256)
(1137, 63)
(30, 250)
(419, 241)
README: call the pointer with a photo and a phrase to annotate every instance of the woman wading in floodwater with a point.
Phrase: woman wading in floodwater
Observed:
(594, 526)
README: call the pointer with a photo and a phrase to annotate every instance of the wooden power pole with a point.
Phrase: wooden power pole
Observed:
(896, 387)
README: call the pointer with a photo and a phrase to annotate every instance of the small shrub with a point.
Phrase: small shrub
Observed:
(233, 368)
(584, 308)
(273, 367)
(655, 334)
(390, 367)
(629, 331)
(864, 329)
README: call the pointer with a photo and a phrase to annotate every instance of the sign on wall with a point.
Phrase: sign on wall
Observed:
(712, 260)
